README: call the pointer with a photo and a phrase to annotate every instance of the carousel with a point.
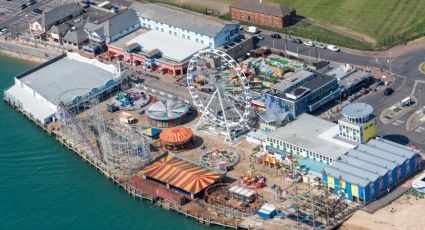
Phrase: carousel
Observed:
(252, 179)
(168, 113)
(131, 99)
(176, 138)
(223, 159)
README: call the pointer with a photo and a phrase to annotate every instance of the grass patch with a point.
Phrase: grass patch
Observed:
(346, 22)
(308, 30)
(186, 6)
(389, 22)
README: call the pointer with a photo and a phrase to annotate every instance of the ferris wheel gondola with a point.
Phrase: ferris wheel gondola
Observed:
(222, 97)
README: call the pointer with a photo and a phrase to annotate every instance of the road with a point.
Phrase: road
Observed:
(17, 20)
(405, 65)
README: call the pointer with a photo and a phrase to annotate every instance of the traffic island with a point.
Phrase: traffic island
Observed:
(417, 119)
(397, 110)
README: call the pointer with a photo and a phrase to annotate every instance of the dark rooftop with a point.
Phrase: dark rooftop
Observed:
(263, 7)
(318, 82)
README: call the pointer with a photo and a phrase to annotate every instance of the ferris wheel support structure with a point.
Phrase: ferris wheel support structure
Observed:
(225, 109)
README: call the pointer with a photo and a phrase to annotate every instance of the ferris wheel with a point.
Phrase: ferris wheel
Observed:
(220, 91)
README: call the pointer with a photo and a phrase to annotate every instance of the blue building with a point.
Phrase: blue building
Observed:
(371, 170)
(303, 92)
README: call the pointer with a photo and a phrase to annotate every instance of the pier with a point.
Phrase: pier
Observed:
(123, 181)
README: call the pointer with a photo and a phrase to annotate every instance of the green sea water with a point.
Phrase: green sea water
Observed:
(45, 186)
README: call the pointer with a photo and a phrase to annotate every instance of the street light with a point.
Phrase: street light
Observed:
(390, 61)
(420, 102)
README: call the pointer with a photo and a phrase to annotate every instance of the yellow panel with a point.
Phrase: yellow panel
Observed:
(342, 184)
(355, 190)
(331, 182)
(370, 132)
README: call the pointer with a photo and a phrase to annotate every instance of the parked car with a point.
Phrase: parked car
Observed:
(333, 48)
(277, 36)
(259, 36)
(308, 43)
(3, 31)
(37, 11)
(23, 6)
(388, 91)
(320, 45)
(252, 29)
(32, 2)
(297, 41)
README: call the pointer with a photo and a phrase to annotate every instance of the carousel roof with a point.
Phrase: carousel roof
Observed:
(167, 110)
(176, 135)
(181, 173)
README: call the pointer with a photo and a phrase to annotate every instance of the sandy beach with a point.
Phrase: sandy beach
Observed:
(407, 212)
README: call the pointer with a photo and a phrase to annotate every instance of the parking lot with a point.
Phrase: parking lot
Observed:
(17, 20)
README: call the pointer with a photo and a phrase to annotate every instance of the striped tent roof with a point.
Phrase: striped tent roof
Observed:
(182, 174)
(176, 135)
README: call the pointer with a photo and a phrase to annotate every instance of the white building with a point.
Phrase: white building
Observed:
(199, 29)
(70, 79)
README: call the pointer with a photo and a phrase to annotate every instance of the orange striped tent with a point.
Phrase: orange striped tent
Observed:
(181, 174)
(176, 138)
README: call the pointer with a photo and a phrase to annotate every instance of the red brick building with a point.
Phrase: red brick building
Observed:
(262, 13)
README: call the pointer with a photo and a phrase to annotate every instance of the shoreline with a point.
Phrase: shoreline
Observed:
(22, 56)
(27, 52)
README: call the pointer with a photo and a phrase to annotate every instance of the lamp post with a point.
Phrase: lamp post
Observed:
(420, 102)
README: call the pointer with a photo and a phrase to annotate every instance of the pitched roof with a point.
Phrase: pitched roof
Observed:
(181, 173)
(263, 7)
(180, 19)
(121, 22)
(76, 36)
(115, 24)
(59, 29)
(58, 13)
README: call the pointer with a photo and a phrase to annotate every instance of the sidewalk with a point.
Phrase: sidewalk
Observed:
(16, 49)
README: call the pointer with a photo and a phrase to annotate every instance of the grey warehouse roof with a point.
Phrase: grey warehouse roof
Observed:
(306, 132)
(66, 78)
(180, 19)
(357, 110)
(370, 161)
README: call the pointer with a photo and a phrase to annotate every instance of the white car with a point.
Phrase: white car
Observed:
(308, 43)
(320, 45)
(3, 31)
(260, 37)
(333, 48)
